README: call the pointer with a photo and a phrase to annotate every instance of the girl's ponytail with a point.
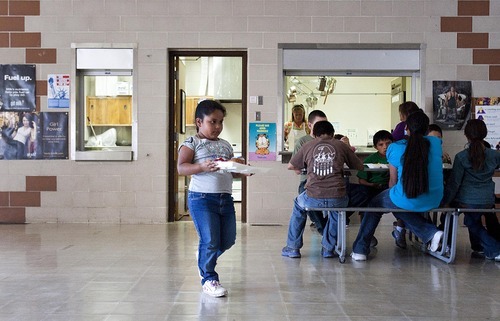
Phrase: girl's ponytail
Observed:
(415, 177)
(475, 131)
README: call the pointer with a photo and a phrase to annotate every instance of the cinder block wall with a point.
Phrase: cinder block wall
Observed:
(462, 41)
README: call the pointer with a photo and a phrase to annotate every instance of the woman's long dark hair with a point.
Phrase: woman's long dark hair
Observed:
(416, 156)
(475, 131)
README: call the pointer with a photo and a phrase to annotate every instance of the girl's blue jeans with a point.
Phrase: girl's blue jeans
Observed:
(477, 233)
(214, 218)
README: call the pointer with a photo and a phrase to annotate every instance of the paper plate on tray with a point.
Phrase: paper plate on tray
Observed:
(377, 165)
(234, 167)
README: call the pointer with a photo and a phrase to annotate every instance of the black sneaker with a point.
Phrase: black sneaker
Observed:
(494, 258)
(400, 237)
(477, 254)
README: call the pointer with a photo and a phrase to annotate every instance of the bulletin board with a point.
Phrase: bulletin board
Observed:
(488, 110)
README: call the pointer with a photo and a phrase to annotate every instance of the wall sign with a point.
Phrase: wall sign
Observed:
(58, 91)
(17, 88)
(27, 135)
(262, 141)
(488, 110)
(55, 135)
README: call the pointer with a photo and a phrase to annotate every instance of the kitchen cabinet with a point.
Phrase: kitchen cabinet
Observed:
(191, 103)
(109, 111)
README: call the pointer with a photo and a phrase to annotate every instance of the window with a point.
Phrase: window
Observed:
(105, 112)
(357, 106)
(360, 100)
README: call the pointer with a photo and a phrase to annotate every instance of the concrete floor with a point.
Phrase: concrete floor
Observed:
(148, 272)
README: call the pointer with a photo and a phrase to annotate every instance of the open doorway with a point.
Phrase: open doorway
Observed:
(195, 76)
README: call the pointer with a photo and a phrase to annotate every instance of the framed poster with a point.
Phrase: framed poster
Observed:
(451, 103)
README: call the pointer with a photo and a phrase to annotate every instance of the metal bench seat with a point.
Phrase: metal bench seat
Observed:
(445, 254)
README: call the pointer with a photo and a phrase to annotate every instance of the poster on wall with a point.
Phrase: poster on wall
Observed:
(17, 88)
(451, 103)
(58, 91)
(262, 141)
(24, 135)
(487, 109)
(55, 135)
(21, 136)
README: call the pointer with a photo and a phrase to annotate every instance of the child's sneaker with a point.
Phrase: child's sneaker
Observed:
(213, 288)
(289, 252)
(496, 258)
(400, 237)
(436, 241)
(358, 257)
(477, 254)
(327, 254)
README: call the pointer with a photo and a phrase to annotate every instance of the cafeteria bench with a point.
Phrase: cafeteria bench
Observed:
(445, 253)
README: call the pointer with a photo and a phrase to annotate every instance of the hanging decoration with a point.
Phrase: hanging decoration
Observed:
(326, 86)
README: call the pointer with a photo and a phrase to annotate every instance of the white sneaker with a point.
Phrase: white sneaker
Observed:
(213, 288)
(436, 240)
(358, 257)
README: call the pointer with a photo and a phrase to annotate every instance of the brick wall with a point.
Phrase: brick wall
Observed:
(13, 204)
(13, 35)
(462, 25)
(40, 32)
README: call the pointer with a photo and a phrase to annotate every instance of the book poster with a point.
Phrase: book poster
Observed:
(262, 141)
(17, 88)
(487, 109)
(451, 103)
(58, 91)
(25, 135)
(55, 135)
